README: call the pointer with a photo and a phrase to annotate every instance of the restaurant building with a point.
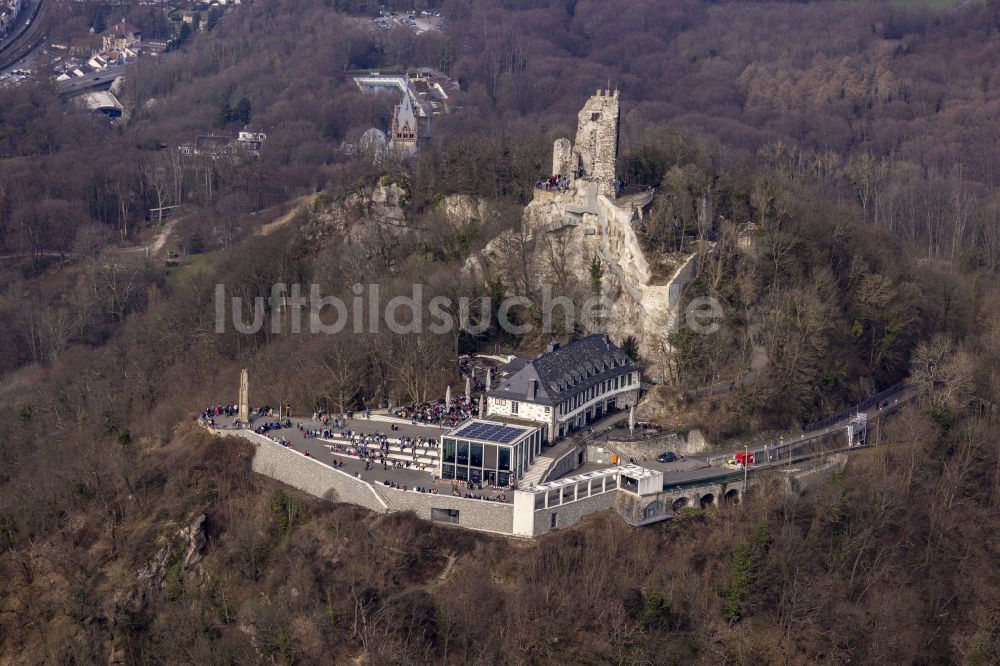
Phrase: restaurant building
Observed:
(567, 387)
(487, 452)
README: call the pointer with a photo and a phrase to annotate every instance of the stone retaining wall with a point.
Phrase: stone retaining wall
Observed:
(797, 481)
(566, 463)
(571, 513)
(312, 476)
(320, 480)
(473, 514)
(649, 448)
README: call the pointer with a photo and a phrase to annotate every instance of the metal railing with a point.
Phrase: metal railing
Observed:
(860, 407)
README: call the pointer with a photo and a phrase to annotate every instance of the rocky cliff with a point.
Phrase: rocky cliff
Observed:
(567, 231)
(384, 205)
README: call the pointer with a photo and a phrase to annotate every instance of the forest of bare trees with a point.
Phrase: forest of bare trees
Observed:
(840, 157)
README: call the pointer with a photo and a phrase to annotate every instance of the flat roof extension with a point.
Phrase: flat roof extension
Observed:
(490, 431)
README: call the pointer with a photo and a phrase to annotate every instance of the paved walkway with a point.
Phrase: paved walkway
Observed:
(687, 469)
(320, 450)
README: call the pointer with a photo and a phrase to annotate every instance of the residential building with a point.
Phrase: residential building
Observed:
(250, 140)
(430, 91)
(247, 140)
(120, 36)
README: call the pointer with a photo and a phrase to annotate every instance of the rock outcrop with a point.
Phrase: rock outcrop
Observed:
(381, 205)
(571, 226)
(180, 558)
(462, 209)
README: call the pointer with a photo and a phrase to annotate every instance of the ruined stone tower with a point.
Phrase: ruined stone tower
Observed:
(595, 153)
(562, 153)
(573, 227)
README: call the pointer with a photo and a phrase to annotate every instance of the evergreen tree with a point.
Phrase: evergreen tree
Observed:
(243, 111)
(225, 115)
(631, 347)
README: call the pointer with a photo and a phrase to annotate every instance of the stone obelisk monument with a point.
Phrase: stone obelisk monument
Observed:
(244, 396)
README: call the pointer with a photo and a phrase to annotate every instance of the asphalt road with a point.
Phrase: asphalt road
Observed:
(24, 39)
(81, 84)
(29, 8)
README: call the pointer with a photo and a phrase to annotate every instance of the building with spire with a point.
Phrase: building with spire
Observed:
(405, 132)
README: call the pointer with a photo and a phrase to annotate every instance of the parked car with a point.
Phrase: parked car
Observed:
(666, 457)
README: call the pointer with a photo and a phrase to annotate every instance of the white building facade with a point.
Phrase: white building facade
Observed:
(568, 387)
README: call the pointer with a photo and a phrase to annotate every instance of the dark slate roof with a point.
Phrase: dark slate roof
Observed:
(565, 371)
(515, 364)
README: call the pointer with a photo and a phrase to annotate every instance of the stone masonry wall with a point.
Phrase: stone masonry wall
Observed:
(572, 513)
(472, 514)
(313, 477)
(565, 464)
(569, 230)
(597, 140)
(650, 447)
(562, 151)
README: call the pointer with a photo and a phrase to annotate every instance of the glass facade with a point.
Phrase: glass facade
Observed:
(489, 463)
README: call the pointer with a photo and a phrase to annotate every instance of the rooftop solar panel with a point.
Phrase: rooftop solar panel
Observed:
(491, 432)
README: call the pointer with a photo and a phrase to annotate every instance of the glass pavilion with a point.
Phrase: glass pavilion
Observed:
(495, 454)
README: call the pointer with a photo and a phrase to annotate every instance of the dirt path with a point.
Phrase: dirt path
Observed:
(161, 238)
(296, 206)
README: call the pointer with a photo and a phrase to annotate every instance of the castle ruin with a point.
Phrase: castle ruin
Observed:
(595, 154)
(585, 220)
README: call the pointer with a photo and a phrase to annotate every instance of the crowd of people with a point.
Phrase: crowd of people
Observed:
(470, 491)
(440, 412)
(265, 428)
(558, 182)
(209, 415)
(417, 489)
(372, 448)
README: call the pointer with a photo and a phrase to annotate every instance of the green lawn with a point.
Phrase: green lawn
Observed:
(190, 265)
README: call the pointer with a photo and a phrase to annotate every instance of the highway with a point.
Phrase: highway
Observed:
(81, 84)
(25, 37)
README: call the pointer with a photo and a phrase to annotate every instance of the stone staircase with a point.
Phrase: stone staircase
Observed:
(382, 418)
(537, 470)
(423, 455)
